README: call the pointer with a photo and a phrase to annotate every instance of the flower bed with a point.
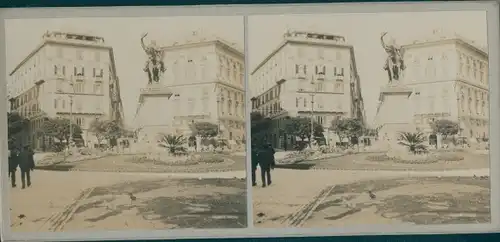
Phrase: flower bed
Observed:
(63, 157)
(379, 158)
(449, 156)
(169, 160)
(417, 159)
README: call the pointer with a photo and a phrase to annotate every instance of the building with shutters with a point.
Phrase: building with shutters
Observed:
(308, 75)
(62, 67)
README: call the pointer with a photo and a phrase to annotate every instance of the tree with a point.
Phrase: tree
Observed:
(204, 129)
(59, 128)
(113, 129)
(173, 143)
(106, 129)
(339, 126)
(351, 128)
(17, 127)
(414, 141)
(301, 127)
(260, 126)
(445, 127)
(98, 128)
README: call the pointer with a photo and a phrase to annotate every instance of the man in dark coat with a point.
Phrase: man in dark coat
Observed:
(266, 163)
(13, 163)
(26, 164)
(255, 162)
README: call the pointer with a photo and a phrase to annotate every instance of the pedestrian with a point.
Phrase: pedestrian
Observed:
(13, 164)
(266, 163)
(255, 162)
(26, 164)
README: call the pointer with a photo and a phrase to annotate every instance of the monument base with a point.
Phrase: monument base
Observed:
(394, 115)
(152, 116)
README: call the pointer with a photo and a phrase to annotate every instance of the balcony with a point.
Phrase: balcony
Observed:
(301, 75)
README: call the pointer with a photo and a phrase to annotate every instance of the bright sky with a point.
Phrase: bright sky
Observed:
(363, 32)
(123, 34)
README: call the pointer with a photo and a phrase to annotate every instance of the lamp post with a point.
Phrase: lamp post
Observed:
(219, 101)
(71, 95)
(313, 94)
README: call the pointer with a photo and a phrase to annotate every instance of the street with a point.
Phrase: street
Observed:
(338, 196)
(104, 200)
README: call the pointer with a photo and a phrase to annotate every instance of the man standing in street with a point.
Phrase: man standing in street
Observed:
(26, 164)
(13, 163)
(266, 163)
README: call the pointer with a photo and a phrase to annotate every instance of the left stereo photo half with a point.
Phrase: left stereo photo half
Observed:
(125, 128)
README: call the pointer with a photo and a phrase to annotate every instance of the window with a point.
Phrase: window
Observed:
(55, 70)
(79, 121)
(79, 87)
(98, 72)
(97, 88)
(79, 71)
(319, 87)
(339, 86)
(55, 103)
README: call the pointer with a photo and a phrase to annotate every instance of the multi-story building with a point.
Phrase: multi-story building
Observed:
(308, 75)
(206, 77)
(68, 74)
(449, 78)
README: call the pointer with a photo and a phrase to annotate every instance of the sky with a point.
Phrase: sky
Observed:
(363, 31)
(123, 34)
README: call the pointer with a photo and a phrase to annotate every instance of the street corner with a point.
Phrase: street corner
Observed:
(163, 204)
(426, 200)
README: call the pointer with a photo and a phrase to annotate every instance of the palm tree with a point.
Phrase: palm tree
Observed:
(174, 143)
(414, 141)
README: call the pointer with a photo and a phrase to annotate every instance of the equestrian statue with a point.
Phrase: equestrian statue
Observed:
(394, 64)
(154, 65)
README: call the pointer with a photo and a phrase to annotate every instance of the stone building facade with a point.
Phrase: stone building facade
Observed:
(308, 75)
(206, 77)
(449, 78)
(40, 87)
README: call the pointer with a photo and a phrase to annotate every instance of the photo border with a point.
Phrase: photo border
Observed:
(244, 10)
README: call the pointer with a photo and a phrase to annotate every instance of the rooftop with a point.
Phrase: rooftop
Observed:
(440, 35)
(199, 36)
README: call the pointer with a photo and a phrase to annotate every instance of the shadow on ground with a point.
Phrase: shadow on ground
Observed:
(467, 200)
(176, 203)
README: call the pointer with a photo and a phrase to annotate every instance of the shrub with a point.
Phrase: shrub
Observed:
(383, 157)
(210, 159)
(417, 159)
(85, 151)
(449, 156)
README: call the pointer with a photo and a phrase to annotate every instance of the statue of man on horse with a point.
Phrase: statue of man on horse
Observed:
(154, 65)
(394, 64)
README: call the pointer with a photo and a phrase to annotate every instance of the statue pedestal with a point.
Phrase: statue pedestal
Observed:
(152, 116)
(394, 115)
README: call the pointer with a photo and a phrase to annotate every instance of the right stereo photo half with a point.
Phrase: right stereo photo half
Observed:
(384, 120)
